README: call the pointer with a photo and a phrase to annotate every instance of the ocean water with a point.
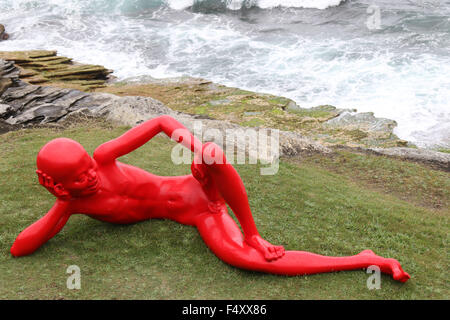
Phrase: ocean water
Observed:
(388, 57)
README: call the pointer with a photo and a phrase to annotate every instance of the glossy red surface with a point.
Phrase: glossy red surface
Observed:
(105, 189)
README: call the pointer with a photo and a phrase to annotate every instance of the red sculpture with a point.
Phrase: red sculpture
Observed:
(107, 190)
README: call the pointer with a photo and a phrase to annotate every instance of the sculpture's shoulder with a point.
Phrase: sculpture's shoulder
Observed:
(102, 155)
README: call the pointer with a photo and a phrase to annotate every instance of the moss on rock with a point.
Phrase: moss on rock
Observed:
(198, 96)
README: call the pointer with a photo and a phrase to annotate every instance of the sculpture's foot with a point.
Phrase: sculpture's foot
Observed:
(268, 250)
(397, 271)
(389, 266)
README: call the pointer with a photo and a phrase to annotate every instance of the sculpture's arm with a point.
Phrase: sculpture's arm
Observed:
(34, 236)
(139, 135)
(59, 225)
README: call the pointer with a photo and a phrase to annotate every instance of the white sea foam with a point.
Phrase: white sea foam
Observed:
(263, 4)
(314, 4)
(367, 73)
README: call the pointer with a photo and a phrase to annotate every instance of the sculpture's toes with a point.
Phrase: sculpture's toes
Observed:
(400, 275)
(280, 251)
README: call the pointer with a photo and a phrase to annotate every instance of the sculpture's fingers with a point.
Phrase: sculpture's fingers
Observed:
(198, 171)
(49, 181)
(280, 251)
(272, 256)
(40, 176)
(45, 180)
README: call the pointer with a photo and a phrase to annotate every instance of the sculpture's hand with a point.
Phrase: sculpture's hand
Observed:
(198, 170)
(47, 181)
(268, 250)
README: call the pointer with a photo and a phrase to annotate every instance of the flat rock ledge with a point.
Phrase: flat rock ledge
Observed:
(45, 66)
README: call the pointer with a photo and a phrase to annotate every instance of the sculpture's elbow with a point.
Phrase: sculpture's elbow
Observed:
(165, 118)
(20, 248)
(15, 250)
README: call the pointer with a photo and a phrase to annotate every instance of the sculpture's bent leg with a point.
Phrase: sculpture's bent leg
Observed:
(224, 238)
(222, 183)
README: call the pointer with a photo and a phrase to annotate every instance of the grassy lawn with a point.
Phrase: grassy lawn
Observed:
(317, 205)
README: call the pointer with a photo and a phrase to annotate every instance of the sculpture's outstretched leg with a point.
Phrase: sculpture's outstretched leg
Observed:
(223, 237)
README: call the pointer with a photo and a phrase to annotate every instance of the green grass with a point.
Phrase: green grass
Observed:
(305, 206)
(409, 181)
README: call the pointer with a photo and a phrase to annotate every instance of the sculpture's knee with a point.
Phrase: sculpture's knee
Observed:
(213, 154)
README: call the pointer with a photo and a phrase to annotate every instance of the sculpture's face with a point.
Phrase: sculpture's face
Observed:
(83, 180)
(72, 171)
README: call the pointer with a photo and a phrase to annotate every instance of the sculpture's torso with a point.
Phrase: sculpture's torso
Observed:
(127, 194)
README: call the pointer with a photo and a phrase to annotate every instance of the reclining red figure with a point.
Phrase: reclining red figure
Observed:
(108, 190)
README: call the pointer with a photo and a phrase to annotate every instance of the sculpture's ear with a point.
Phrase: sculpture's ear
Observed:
(59, 191)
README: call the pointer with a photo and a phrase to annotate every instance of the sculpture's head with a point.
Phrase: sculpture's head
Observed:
(68, 169)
